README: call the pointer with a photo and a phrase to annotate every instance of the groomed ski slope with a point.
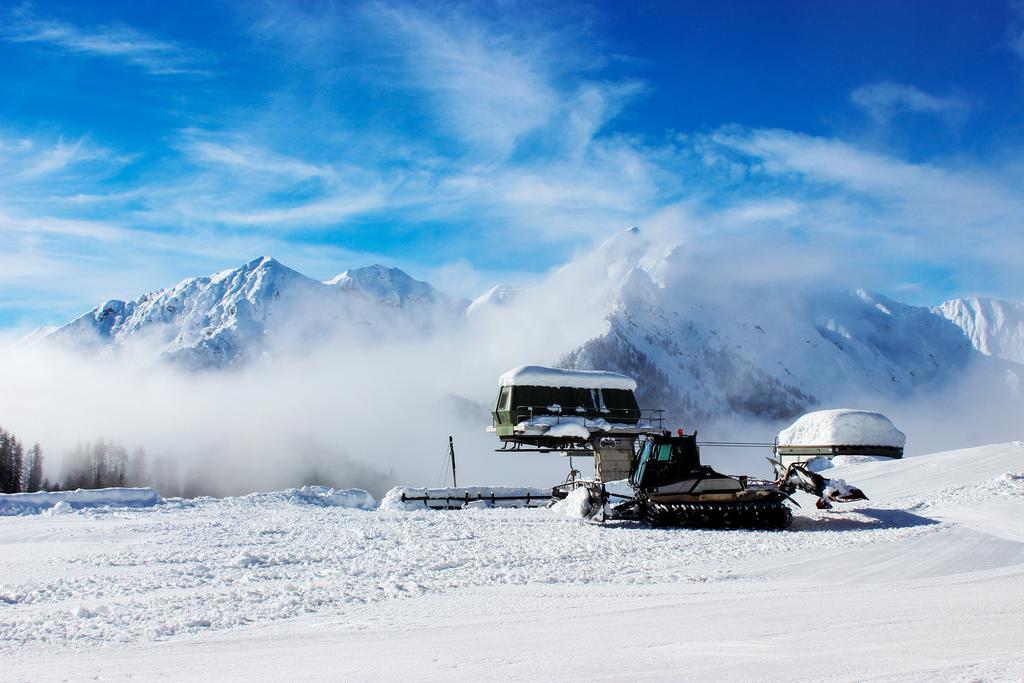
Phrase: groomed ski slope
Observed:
(926, 579)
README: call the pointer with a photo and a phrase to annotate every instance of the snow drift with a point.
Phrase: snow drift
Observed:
(117, 497)
(321, 496)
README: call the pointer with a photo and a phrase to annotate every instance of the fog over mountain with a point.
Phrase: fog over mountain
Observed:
(245, 313)
(277, 377)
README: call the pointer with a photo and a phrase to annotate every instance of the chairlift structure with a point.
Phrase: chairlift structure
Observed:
(553, 410)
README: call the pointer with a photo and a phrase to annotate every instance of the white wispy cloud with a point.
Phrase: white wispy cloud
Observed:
(36, 225)
(885, 100)
(245, 157)
(118, 42)
(517, 139)
(884, 212)
(491, 87)
(1016, 28)
(499, 80)
(24, 159)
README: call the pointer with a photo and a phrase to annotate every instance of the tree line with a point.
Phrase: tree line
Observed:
(92, 465)
(19, 470)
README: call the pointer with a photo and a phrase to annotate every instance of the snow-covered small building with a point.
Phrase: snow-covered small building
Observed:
(828, 433)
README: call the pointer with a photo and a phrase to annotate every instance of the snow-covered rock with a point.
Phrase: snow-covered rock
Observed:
(842, 427)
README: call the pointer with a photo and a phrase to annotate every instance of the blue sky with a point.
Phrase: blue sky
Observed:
(472, 143)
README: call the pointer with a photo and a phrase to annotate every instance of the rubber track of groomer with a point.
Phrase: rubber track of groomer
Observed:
(762, 516)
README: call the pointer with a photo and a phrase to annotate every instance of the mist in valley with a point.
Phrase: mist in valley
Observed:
(351, 408)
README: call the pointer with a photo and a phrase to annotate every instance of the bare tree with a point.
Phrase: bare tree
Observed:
(33, 476)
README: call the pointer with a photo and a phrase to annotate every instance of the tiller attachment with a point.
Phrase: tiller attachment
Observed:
(797, 476)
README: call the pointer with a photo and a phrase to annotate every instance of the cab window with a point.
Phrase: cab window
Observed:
(646, 452)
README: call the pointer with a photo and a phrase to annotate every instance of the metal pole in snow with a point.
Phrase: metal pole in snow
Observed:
(451, 452)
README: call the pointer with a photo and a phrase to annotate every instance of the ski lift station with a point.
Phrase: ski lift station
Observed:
(831, 433)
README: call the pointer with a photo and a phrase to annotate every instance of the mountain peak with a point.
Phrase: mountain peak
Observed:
(372, 271)
(268, 261)
(260, 264)
(388, 284)
(498, 295)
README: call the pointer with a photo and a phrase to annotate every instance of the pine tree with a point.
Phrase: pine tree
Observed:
(5, 445)
(34, 469)
(11, 459)
(17, 465)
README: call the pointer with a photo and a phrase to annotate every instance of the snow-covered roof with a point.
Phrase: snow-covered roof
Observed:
(842, 427)
(539, 376)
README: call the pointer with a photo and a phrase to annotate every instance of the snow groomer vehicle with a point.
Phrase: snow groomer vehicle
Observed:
(596, 413)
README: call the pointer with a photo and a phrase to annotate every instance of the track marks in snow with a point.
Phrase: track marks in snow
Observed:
(184, 568)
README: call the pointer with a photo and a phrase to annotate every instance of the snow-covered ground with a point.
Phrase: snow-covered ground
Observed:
(926, 579)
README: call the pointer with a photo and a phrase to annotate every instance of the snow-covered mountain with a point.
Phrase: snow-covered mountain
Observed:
(240, 314)
(777, 360)
(700, 346)
(705, 349)
(995, 328)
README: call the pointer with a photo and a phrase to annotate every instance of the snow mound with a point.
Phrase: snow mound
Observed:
(59, 502)
(321, 496)
(60, 508)
(1011, 481)
(842, 427)
(399, 498)
(576, 504)
(539, 376)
